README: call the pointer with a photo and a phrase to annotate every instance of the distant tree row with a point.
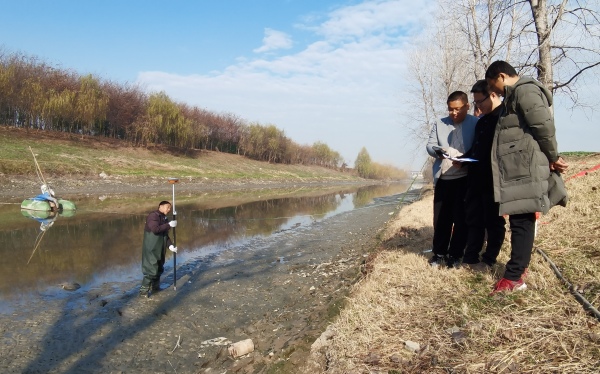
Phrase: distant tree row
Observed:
(366, 168)
(36, 95)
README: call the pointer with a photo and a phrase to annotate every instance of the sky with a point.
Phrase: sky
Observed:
(331, 71)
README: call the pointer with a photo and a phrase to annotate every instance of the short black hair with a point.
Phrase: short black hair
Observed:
(481, 87)
(458, 95)
(163, 203)
(497, 67)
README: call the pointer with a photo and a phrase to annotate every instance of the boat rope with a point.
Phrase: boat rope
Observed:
(38, 240)
(37, 168)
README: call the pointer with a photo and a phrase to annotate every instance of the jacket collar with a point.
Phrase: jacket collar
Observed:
(510, 90)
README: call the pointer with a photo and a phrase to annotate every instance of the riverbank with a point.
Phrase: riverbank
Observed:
(279, 291)
(408, 317)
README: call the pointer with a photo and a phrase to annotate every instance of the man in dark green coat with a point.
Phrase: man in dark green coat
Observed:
(525, 163)
(156, 241)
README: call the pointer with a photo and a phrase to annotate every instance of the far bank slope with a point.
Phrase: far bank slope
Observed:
(71, 162)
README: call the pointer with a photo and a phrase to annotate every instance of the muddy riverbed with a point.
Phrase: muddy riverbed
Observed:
(280, 291)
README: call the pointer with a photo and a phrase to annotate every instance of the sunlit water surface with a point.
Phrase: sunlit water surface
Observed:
(101, 242)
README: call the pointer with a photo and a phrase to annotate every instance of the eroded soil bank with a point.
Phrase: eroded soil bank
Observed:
(279, 291)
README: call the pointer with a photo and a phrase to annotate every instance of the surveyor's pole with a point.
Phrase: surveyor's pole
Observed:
(172, 181)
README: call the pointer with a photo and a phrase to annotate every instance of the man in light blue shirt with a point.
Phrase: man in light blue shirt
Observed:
(450, 136)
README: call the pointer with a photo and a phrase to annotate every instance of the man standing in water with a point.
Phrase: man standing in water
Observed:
(156, 241)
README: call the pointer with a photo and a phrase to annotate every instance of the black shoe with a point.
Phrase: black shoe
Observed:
(452, 262)
(437, 260)
(144, 294)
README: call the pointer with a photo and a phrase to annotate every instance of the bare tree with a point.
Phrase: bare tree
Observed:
(568, 42)
(437, 67)
(557, 41)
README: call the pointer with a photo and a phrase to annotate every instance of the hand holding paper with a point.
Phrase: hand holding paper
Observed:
(441, 152)
(466, 159)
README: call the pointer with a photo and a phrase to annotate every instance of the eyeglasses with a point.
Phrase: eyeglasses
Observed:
(479, 102)
(452, 110)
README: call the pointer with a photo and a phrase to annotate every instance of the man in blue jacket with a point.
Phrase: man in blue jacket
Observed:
(450, 136)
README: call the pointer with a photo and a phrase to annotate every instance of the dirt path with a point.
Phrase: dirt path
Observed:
(278, 291)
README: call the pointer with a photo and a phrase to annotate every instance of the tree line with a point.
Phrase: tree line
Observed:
(34, 94)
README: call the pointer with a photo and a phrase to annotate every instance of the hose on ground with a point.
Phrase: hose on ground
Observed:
(587, 306)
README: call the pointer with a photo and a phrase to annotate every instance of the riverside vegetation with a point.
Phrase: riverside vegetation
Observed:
(34, 95)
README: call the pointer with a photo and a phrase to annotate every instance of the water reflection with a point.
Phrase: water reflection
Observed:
(102, 241)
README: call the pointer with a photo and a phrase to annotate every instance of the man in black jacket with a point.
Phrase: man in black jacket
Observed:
(156, 241)
(481, 209)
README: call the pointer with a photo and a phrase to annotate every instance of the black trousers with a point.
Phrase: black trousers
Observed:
(522, 227)
(449, 225)
(482, 215)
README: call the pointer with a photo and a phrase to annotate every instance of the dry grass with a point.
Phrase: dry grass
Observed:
(449, 313)
(571, 236)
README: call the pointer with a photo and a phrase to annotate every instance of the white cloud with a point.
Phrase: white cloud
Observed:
(344, 89)
(274, 40)
(374, 17)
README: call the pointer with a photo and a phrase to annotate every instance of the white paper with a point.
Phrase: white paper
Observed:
(466, 159)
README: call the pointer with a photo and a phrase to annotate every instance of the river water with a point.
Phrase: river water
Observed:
(101, 242)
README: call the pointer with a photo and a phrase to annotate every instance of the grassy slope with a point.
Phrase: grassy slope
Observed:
(449, 313)
(69, 155)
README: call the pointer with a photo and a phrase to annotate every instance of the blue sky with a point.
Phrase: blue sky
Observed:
(328, 70)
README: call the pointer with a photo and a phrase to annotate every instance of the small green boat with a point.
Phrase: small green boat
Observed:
(46, 201)
(40, 215)
(44, 205)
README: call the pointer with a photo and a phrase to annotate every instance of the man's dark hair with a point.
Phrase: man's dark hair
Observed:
(481, 87)
(458, 95)
(163, 203)
(497, 67)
